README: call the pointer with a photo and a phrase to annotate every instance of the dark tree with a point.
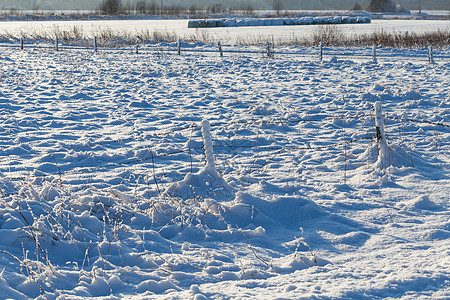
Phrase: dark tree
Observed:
(277, 6)
(380, 6)
(357, 7)
(111, 7)
(141, 6)
(386, 6)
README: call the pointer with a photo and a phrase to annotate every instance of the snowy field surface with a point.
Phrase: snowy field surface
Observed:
(225, 35)
(153, 175)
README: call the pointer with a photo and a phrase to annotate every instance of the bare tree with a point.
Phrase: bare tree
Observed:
(277, 6)
(111, 7)
(380, 5)
(141, 6)
(386, 6)
(357, 7)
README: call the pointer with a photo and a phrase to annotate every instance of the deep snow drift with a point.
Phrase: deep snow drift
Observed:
(155, 175)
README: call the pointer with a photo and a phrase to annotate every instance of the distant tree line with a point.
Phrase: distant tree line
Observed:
(152, 7)
(382, 6)
(113, 7)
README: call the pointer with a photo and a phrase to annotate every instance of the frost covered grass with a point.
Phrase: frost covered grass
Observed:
(333, 37)
(329, 35)
(193, 176)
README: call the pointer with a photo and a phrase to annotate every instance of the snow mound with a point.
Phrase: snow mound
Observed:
(423, 202)
(106, 191)
(387, 155)
(205, 184)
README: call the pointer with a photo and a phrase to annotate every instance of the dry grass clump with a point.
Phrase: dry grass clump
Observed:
(329, 35)
(332, 36)
(439, 38)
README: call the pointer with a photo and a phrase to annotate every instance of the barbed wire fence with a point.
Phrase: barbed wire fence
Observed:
(265, 49)
(222, 148)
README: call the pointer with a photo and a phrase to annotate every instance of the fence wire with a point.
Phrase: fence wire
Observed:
(313, 52)
(155, 155)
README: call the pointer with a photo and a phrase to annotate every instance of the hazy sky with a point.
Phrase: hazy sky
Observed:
(258, 4)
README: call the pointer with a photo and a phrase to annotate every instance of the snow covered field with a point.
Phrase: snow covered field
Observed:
(225, 35)
(107, 190)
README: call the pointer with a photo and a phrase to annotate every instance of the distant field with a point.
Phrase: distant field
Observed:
(91, 28)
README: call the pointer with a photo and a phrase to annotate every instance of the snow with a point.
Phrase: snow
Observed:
(156, 175)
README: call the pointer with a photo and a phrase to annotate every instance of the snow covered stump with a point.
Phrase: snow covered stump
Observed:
(388, 155)
(206, 183)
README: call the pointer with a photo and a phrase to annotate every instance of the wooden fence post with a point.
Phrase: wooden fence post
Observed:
(56, 44)
(273, 48)
(220, 48)
(95, 44)
(374, 53)
(21, 43)
(179, 46)
(270, 49)
(320, 51)
(379, 127)
(430, 55)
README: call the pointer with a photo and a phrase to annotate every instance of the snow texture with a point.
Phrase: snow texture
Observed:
(156, 175)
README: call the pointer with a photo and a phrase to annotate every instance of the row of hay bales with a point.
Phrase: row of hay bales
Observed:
(276, 21)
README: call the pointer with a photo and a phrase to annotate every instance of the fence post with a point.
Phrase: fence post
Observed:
(137, 48)
(179, 46)
(270, 49)
(56, 44)
(430, 55)
(379, 127)
(95, 44)
(273, 48)
(320, 51)
(207, 145)
(21, 43)
(220, 48)
(374, 53)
